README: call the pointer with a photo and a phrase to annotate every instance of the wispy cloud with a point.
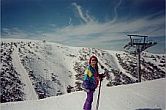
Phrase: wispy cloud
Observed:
(93, 33)
(13, 33)
(83, 15)
(70, 21)
(18, 33)
(115, 12)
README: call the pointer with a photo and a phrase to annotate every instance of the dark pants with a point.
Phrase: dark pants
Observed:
(89, 100)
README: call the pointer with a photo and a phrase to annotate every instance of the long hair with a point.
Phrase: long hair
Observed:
(96, 66)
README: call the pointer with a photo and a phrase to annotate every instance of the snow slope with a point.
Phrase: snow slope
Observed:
(149, 95)
(33, 69)
(113, 53)
(29, 90)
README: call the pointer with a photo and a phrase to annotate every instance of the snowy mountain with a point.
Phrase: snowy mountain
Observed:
(32, 69)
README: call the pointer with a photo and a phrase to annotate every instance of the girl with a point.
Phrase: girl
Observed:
(91, 80)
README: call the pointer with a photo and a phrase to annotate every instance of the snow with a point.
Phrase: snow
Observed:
(156, 60)
(29, 91)
(113, 53)
(47, 69)
(149, 95)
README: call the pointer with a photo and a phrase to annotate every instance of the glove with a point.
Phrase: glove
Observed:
(87, 90)
(101, 76)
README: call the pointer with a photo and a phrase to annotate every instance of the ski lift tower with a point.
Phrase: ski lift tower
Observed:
(139, 43)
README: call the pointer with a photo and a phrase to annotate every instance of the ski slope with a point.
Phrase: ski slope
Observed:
(29, 90)
(149, 95)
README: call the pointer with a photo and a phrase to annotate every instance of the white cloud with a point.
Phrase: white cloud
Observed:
(13, 33)
(18, 33)
(84, 16)
(95, 33)
(70, 21)
(115, 12)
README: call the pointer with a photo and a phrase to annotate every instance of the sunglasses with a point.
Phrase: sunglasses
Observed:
(93, 60)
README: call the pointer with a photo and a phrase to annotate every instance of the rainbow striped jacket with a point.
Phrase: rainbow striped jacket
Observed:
(90, 78)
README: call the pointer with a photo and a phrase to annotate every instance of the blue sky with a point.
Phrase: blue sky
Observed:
(81, 22)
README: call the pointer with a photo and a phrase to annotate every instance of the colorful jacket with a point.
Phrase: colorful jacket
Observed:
(90, 78)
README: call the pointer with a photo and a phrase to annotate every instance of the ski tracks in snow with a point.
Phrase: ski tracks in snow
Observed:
(29, 91)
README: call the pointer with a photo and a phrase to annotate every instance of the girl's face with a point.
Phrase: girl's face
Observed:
(93, 62)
